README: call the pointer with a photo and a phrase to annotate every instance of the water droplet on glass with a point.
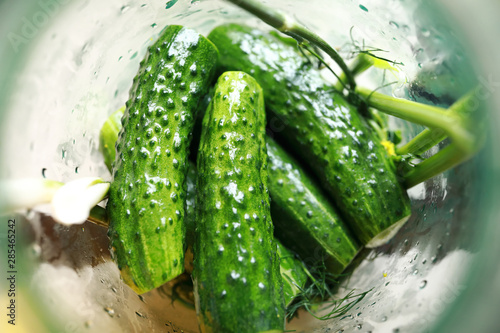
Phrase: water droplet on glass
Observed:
(110, 311)
(425, 32)
(36, 250)
(394, 24)
(422, 284)
(170, 3)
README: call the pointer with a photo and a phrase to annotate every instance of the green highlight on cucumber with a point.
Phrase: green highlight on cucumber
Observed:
(147, 196)
(237, 281)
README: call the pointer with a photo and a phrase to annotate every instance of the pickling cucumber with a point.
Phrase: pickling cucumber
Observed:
(325, 130)
(303, 218)
(293, 272)
(148, 191)
(108, 136)
(237, 282)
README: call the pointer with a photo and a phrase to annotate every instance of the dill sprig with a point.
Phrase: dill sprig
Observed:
(318, 295)
(362, 48)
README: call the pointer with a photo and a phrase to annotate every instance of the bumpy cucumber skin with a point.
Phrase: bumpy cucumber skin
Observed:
(304, 220)
(326, 130)
(147, 195)
(238, 287)
(108, 138)
(293, 273)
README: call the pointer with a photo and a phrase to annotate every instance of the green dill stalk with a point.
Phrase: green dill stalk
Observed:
(461, 122)
(424, 141)
(360, 64)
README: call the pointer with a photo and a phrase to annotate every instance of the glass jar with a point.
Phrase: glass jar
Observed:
(67, 65)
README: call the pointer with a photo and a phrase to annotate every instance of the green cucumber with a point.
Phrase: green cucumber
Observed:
(293, 273)
(303, 218)
(148, 192)
(292, 270)
(109, 135)
(326, 131)
(237, 282)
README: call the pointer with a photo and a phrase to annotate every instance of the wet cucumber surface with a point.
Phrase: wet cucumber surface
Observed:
(147, 197)
(323, 129)
(304, 219)
(238, 287)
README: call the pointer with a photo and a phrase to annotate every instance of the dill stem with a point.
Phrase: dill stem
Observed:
(445, 159)
(454, 122)
(360, 64)
(424, 141)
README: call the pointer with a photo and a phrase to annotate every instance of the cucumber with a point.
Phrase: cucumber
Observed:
(148, 192)
(293, 273)
(237, 282)
(109, 135)
(303, 218)
(326, 131)
(292, 270)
